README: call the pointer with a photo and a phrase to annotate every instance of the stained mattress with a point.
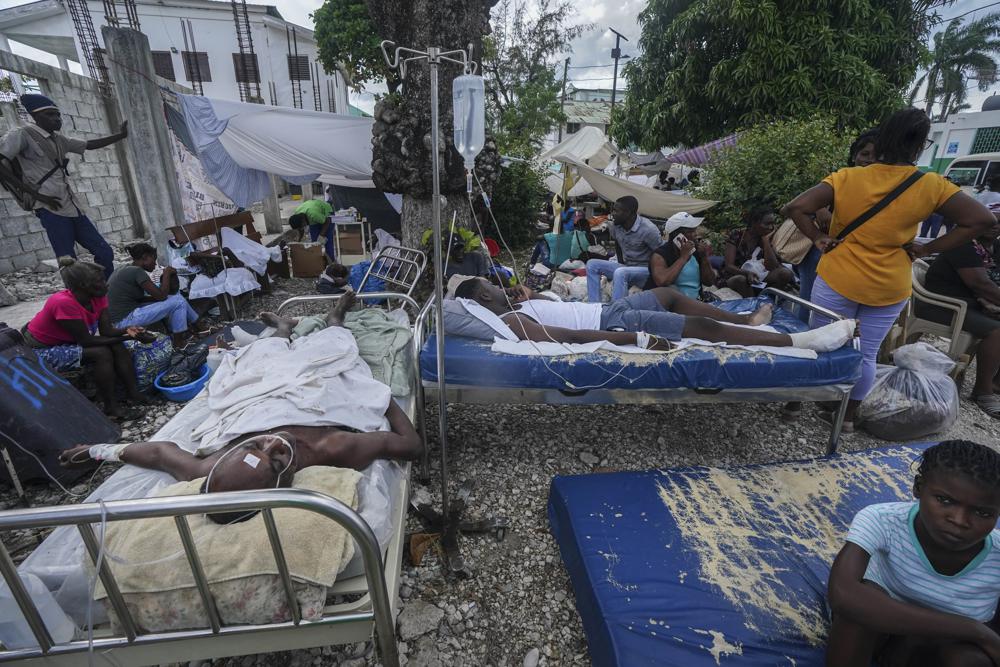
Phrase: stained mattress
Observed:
(705, 566)
(469, 361)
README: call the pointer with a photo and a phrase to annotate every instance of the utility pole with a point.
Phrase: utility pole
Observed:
(616, 53)
(562, 103)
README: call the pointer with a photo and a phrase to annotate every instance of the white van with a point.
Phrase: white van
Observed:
(975, 170)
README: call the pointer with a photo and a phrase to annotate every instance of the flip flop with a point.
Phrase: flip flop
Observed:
(989, 403)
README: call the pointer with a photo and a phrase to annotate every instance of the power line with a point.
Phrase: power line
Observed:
(590, 66)
(971, 11)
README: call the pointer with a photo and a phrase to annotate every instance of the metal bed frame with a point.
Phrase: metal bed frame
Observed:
(354, 621)
(487, 394)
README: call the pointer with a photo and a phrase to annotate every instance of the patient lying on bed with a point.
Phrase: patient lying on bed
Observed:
(270, 457)
(652, 319)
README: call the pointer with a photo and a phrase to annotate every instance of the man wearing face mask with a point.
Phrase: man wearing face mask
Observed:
(40, 174)
(635, 238)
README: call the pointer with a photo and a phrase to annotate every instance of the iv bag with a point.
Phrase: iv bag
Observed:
(470, 116)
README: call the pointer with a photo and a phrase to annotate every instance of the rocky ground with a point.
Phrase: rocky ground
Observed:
(518, 608)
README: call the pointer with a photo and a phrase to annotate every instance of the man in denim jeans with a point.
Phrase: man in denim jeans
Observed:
(636, 238)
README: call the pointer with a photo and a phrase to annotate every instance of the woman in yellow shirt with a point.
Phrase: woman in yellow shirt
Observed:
(866, 275)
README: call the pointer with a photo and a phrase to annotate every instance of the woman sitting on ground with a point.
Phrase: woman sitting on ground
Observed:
(682, 262)
(962, 273)
(740, 248)
(74, 328)
(135, 300)
(917, 583)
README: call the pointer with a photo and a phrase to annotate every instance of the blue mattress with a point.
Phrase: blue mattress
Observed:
(709, 567)
(470, 361)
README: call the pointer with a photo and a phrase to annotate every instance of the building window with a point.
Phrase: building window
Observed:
(192, 59)
(163, 65)
(572, 128)
(987, 140)
(298, 68)
(246, 68)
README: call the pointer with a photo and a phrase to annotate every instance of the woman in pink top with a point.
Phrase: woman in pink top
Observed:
(73, 327)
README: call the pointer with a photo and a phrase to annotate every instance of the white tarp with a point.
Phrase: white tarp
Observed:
(655, 203)
(554, 182)
(586, 146)
(280, 140)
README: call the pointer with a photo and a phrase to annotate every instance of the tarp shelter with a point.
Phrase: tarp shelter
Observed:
(655, 203)
(699, 155)
(554, 182)
(241, 144)
(586, 146)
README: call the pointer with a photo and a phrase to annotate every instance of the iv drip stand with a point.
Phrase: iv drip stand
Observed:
(449, 521)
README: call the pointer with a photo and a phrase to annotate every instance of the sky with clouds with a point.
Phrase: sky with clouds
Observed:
(590, 64)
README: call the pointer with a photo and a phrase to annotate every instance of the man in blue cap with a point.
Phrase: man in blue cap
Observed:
(41, 178)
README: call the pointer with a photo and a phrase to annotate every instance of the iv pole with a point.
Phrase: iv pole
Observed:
(449, 520)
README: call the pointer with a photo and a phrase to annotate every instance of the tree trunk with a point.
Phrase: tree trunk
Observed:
(401, 141)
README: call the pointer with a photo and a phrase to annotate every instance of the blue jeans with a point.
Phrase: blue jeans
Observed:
(314, 234)
(873, 321)
(642, 312)
(64, 233)
(622, 277)
(807, 276)
(175, 309)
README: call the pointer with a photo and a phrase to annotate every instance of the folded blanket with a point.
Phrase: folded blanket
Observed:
(146, 555)
(384, 345)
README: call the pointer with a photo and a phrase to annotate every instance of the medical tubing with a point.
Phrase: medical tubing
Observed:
(46, 471)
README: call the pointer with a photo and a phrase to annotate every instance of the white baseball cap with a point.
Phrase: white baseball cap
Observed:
(681, 220)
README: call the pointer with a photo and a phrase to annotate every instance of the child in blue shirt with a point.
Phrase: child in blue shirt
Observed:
(918, 583)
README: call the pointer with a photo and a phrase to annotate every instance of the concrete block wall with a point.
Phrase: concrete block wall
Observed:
(97, 176)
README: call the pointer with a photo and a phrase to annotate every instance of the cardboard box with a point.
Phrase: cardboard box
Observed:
(308, 260)
(350, 242)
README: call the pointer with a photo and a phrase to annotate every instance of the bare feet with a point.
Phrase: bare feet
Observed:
(761, 316)
(283, 325)
(335, 318)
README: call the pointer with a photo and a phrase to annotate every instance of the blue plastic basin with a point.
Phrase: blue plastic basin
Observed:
(184, 392)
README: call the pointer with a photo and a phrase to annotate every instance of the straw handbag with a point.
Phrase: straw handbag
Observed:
(789, 243)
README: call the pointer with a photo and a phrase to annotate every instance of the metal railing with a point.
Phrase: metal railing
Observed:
(399, 266)
(178, 508)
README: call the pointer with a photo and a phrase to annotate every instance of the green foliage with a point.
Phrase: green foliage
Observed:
(518, 64)
(772, 163)
(517, 198)
(960, 52)
(345, 36)
(709, 67)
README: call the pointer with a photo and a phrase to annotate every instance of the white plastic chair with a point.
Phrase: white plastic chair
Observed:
(961, 344)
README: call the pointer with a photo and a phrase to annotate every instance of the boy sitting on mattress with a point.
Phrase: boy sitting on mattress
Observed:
(918, 583)
(258, 457)
(652, 320)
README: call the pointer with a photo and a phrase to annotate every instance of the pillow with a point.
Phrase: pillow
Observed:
(460, 322)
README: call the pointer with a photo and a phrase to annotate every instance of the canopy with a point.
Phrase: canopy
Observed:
(699, 155)
(655, 203)
(586, 146)
(240, 144)
(554, 182)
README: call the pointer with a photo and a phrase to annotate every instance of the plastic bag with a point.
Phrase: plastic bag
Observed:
(755, 265)
(914, 398)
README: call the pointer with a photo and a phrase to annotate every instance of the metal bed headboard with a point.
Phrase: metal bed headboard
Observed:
(397, 265)
(179, 507)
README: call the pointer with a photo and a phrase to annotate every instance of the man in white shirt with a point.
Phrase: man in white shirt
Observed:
(992, 195)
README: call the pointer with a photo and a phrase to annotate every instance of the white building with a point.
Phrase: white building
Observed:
(584, 107)
(963, 134)
(215, 56)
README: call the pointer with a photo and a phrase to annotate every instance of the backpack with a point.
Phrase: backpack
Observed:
(24, 198)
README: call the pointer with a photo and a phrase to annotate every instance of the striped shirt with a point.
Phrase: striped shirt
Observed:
(899, 565)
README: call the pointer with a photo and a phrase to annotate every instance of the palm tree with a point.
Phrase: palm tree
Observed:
(959, 53)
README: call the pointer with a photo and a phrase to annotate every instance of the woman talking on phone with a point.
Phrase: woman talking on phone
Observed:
(864, 273)
(681, 262)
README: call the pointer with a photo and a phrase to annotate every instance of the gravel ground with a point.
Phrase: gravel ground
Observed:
(518, 608)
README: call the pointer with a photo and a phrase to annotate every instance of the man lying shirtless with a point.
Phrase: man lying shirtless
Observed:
(269, 458)
(650, 319)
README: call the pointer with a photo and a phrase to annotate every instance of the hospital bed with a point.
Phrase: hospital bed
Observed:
(710, 567)
(475, 374)
(363, 597)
